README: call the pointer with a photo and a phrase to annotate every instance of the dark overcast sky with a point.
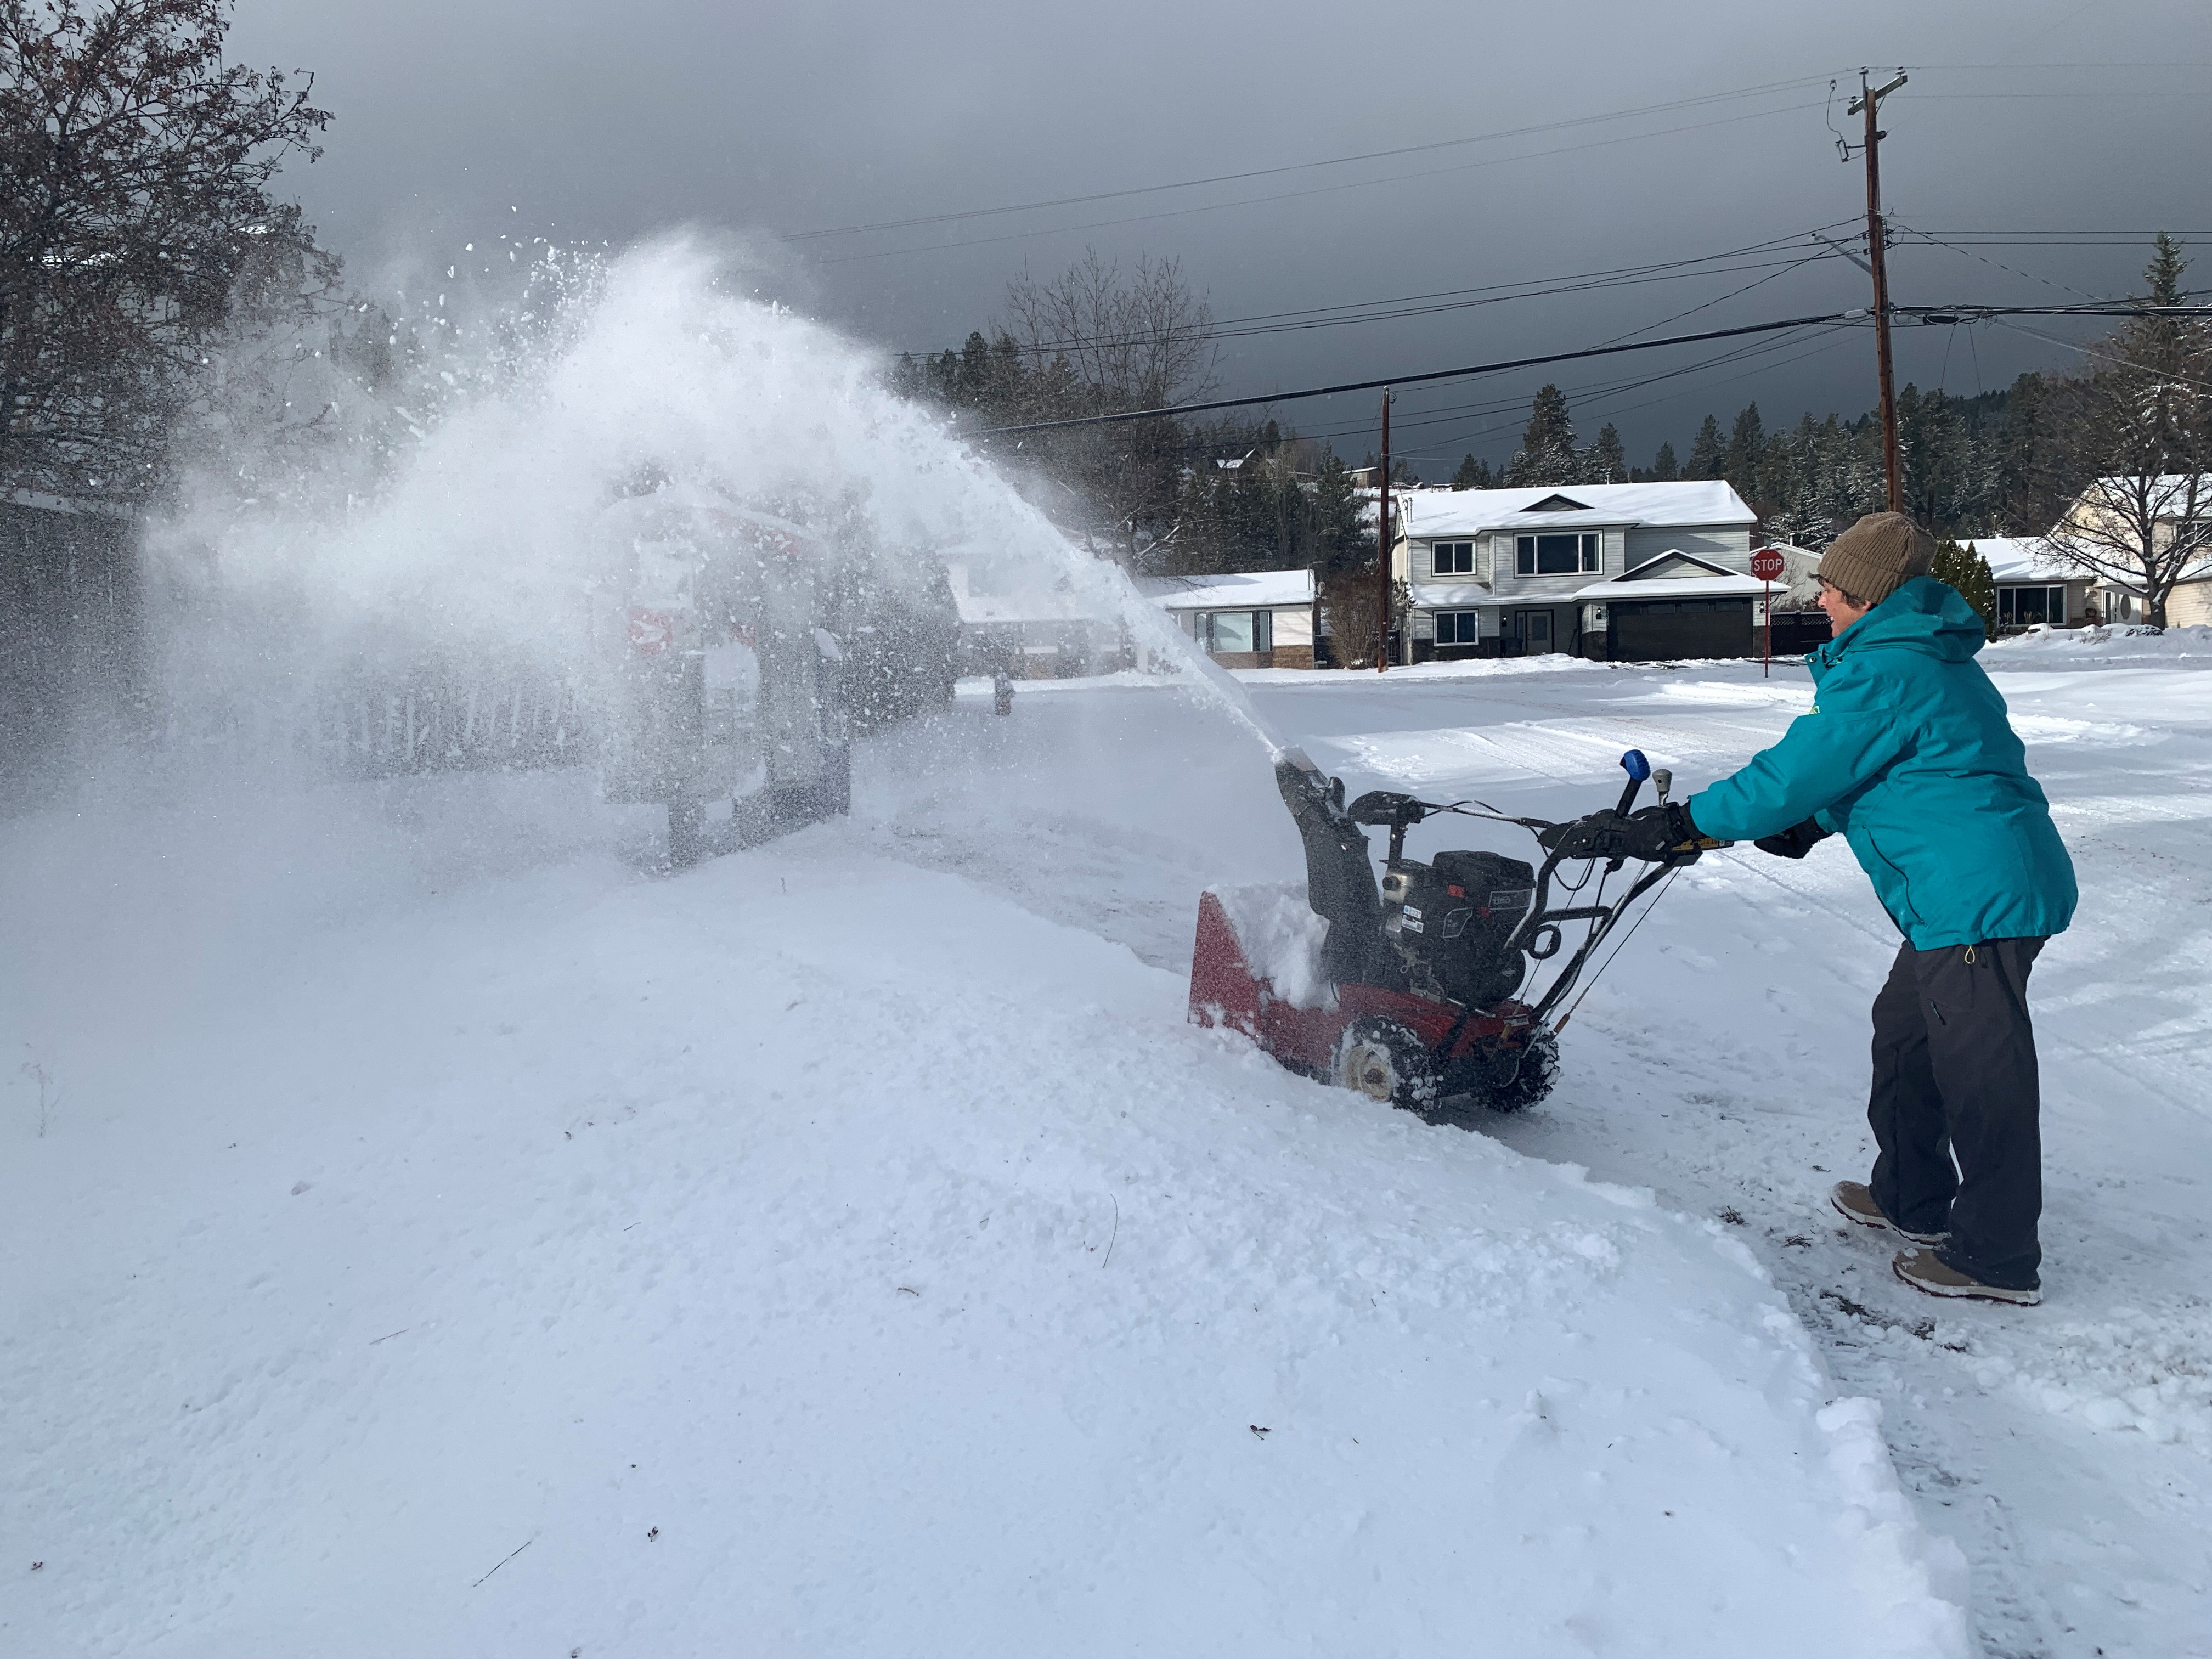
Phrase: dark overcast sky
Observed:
(599, 121)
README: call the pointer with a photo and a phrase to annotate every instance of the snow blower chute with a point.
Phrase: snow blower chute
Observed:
(1416, 991)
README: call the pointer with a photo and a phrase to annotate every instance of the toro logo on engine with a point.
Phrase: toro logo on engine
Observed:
(650, 631)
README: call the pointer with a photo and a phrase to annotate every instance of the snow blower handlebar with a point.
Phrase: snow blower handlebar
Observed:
(1586, 840)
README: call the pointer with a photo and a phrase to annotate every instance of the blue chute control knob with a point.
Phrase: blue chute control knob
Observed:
(1637, 769)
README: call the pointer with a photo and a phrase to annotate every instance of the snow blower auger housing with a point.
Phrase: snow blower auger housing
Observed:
(1413, 991)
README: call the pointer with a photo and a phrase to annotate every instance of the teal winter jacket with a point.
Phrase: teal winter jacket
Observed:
(1906, 752)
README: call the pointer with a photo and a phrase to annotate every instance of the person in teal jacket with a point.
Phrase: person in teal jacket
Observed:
(1907, 754)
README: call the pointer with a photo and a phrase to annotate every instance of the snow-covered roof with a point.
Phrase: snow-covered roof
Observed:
(1428, 512)
(1697, 578)
(1000, 590)
(1253, 590)
(1729, 586)
(2014, 558)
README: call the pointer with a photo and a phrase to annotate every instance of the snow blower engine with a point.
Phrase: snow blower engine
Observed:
(1413, 992)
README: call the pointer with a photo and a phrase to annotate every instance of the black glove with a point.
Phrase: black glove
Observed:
(1659, 834)
(1795, 842)
(1585, 838)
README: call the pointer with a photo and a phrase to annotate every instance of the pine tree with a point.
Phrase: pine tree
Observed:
(971, 384)
(1967, 571)
(1664, 469)
(1341, 539)
(1471, 475)
(1193, 547)
(1607, 462)
(1746, 448)
(2032, 482)
(1344, 565)
(1547, 455)
(1708, 452)
(1947, 483)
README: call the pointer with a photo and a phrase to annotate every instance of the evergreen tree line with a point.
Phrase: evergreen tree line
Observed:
(2005, 463)
(1986, 465)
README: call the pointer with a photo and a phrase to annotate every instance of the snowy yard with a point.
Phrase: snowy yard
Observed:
(440, 1236)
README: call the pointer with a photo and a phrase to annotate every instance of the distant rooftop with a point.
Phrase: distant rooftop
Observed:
(1255, 590)
(2017, 558)
(1431, 512)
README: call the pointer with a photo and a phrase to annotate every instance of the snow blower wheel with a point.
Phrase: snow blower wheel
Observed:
(1531, 1081)
(1383, 1060)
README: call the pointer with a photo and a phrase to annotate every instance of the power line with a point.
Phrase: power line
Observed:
(1697, 102)
(1420, 379)
(1968, 252)
(1601, 396)
(1931, 315)
(1318, 190)
(1445, 300)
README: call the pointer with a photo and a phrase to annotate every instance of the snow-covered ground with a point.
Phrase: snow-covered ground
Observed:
(442, 1236)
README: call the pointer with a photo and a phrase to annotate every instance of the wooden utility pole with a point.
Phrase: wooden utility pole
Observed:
(1382, 547)
(1866, 101)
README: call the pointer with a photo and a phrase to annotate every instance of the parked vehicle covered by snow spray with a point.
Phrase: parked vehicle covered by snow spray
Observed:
(1419, 991)
(725, 678)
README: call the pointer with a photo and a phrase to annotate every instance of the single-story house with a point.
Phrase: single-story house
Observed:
(2108, 516)
(1257, 619)
(1525, 571)
(1034, 626)
(2032, 585)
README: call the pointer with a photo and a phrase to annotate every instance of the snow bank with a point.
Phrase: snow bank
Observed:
(1474, 668)
(453, 1241)
(2046, 647)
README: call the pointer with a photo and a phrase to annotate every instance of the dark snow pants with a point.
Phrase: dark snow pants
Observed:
(1954, 1076)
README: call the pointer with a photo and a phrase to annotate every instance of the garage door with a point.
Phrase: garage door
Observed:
(1648, 630)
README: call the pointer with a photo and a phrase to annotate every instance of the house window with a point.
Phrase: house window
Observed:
(1233, 633)
(2023, 607)
(1454, 558)
(1564, 554)
(1459, 627)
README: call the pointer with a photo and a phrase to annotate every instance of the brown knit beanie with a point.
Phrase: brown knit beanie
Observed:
(1877, 556)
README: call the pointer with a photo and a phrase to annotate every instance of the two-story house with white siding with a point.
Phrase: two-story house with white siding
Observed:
(1636, 570)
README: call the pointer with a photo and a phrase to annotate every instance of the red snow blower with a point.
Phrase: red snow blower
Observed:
(1415, 993)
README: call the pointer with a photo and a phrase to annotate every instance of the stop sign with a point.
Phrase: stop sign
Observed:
(1766, 564)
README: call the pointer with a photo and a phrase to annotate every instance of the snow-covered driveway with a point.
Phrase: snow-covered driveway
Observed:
(2068, 1449)
(445, 1239)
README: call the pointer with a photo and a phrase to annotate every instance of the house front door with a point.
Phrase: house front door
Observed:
(1535, 633)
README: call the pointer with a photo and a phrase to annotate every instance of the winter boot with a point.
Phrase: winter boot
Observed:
(1854, 1202)
(1925, 1270)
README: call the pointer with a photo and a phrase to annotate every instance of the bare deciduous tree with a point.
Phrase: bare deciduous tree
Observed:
(1139, 339)
(2138, 424)
(1100, 340)
(135, 226)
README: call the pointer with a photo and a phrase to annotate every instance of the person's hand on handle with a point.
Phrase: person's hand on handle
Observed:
(1658, 835)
